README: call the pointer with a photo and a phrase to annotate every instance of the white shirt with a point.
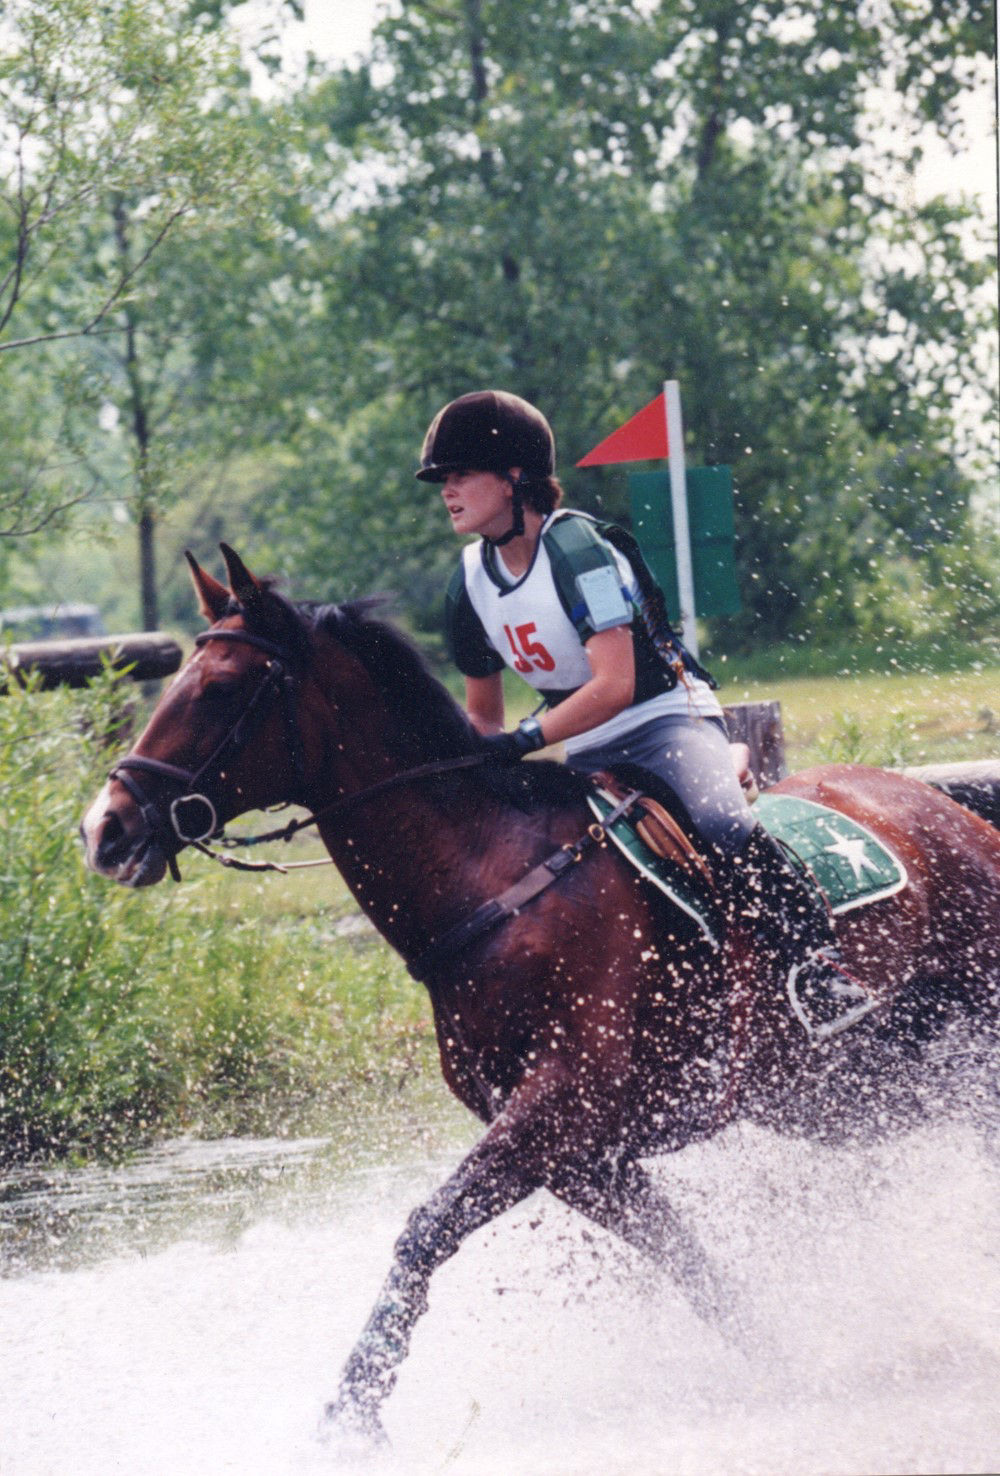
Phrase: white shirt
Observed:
(527, 624)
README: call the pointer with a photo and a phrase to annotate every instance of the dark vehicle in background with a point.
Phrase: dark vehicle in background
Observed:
(64, 621)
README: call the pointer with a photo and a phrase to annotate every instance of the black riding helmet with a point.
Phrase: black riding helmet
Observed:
(489, 430)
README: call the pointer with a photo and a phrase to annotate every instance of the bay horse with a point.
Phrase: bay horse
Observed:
(592, 1025)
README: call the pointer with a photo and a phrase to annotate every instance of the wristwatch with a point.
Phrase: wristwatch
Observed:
(531, 733)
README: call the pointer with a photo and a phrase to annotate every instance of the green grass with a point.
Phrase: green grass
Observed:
(889, 719)
(941, 654)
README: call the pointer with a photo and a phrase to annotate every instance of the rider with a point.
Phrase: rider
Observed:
(569, 604)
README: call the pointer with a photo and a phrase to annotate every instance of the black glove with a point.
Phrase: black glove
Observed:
(509, 748)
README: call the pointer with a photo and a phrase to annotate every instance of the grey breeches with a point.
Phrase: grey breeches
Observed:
(692, 756)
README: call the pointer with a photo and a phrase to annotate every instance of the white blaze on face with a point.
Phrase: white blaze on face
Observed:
(91, 829)
(91, 824)
(116, 837)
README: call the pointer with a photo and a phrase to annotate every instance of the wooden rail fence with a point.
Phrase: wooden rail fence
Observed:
(73, 663)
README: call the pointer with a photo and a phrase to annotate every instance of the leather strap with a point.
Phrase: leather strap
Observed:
(491, 914)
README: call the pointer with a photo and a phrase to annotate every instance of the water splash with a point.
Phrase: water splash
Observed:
(869, 1285)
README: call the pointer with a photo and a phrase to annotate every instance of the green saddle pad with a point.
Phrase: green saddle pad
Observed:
(850, 864)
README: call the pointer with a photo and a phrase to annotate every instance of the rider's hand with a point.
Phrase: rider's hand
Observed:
(508, 748)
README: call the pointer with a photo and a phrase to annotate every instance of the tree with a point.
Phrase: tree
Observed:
(577, 201)
(129, 133)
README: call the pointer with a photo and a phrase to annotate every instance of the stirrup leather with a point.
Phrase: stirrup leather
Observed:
(659, 830)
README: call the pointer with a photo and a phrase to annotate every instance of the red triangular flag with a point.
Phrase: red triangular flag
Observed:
(643, 438)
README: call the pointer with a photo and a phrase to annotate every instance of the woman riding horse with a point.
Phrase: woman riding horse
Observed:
(594, 1026)
(578, 616)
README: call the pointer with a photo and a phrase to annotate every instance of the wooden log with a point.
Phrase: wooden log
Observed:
(974, 784)
(72, 663)
(758, 725)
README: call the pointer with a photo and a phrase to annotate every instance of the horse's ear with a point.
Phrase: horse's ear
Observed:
(213, 597)
(244, 586)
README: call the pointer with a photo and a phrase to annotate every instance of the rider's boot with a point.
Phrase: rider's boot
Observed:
(787, 916)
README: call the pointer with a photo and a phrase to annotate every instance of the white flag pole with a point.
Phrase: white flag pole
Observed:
(678, 503)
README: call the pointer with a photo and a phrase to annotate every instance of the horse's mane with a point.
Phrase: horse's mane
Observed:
(430, 723)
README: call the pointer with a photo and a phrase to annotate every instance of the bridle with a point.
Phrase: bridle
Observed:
(191, 817)
(171, 823)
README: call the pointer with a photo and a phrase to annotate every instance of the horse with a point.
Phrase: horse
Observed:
(589, 1024)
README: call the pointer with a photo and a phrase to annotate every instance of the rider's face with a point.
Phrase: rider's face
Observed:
(478, 502)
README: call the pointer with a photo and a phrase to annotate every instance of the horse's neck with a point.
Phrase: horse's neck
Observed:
(407, 857)
(403, 852)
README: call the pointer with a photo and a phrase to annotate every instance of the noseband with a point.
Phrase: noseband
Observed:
(175, 822)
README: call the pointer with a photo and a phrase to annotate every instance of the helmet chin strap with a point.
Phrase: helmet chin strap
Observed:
(517, 508)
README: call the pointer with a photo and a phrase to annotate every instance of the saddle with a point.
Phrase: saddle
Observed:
(845, 861)
(658, 830)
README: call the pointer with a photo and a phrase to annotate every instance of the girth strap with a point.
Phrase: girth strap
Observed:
(491, 914)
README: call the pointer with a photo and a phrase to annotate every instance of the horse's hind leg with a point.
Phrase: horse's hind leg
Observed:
(621, 1198)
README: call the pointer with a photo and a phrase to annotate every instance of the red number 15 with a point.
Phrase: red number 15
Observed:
(528, 654)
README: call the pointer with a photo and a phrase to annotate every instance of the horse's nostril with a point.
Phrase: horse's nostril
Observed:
(113, 843)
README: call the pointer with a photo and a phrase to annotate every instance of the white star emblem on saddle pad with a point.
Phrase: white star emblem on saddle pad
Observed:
(852, 849)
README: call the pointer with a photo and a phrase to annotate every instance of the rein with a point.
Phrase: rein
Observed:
(171, 824)
(347, 802)
(168, 826)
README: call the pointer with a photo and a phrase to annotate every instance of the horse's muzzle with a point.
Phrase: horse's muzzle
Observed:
(113, 849)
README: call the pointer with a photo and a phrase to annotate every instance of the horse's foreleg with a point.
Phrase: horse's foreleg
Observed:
(623, 1199)
(484, 1185)
(505, 1166)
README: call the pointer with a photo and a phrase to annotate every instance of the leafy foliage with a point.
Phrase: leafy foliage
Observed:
(579, 205)
(128, 140)
(117, 102)
(575, 203)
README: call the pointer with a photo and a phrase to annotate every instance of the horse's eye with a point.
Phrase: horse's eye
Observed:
(218, 693)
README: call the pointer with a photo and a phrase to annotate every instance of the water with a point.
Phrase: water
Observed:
(187, 1316)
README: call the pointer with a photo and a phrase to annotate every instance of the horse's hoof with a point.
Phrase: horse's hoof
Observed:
(354, 1429)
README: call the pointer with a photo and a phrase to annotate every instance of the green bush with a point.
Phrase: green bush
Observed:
(124, 1015)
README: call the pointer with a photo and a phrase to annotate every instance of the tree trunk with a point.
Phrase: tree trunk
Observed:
(510, 266)
(147, 571)
(713, 126)
(142, 437)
